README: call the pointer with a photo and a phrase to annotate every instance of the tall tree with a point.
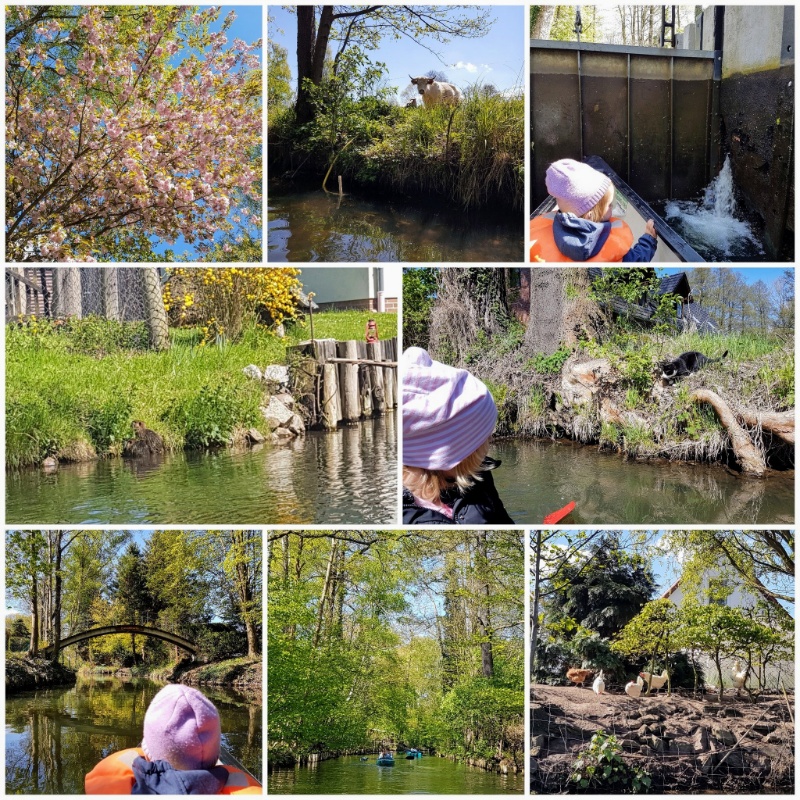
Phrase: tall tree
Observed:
(318, 26)
(132, 592)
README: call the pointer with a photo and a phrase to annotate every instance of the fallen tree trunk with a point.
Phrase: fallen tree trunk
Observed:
(778, 423)
(747, 454)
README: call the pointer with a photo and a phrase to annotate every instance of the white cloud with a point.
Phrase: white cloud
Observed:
(470, 67)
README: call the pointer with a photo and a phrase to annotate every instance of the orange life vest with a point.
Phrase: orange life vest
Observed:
(544, 248)
(114, 775)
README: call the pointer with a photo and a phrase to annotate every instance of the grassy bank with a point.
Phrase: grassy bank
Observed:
(73, 389)
(242, 672)
(472, 155)
(632, 412)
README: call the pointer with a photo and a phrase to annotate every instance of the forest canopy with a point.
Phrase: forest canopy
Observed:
(398, 639)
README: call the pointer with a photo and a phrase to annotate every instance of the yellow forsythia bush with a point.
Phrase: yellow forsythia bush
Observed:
(223, 299)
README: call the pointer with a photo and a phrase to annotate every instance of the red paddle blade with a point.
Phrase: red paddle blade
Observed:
(557, 516)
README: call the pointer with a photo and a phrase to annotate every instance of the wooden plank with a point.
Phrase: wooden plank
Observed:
(365, 361)
(375, 353)
(331, 410)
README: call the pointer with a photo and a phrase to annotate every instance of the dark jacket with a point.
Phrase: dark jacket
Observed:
(580, 239)
(480, 505)
(159, 777)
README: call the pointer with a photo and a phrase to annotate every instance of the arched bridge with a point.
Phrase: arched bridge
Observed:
(108, 630)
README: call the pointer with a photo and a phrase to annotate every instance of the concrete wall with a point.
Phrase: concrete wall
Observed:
(757, 110)
(352, 287)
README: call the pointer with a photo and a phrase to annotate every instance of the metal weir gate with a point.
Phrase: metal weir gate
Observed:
(651, 113)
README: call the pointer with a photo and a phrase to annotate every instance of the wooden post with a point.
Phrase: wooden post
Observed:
(348, 381)
(331, 408)
(340, 186)
(375, 353)
(364, 381)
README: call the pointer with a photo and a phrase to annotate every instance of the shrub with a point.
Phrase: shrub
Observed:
(93, 335)
(110, 423)
(224, 299)
(549, 365)
(601, 768)
(208, 418)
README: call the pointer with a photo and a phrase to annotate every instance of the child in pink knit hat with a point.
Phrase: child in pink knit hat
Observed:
(583, 229)
(179, 753)
(448, 419)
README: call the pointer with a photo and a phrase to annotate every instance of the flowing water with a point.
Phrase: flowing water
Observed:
(539, 477)
(313, 226)
(714, 225)
(348, 476)
(426, 775)
(55, 736)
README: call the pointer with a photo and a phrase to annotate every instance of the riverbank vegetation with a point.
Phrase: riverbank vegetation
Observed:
(174, 590)
(345, 120)
(578, 354)
(399, 640)
(717, 638)
(75, 383)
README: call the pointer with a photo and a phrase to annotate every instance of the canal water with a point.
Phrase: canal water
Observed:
(426, 775)
(312, 226)
(541, 476)
(348, 476)
(55, 736)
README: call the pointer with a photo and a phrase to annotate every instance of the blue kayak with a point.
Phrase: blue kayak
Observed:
(385, 762)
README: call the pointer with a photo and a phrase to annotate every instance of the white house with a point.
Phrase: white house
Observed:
(368, 288)
(719, 586)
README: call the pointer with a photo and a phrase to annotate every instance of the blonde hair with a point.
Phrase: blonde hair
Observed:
(428, 484)
(598, 212)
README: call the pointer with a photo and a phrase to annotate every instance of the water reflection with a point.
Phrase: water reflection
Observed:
(348, 476)
(539, 477)
(313, 226)
(427, 775)
(55, 736)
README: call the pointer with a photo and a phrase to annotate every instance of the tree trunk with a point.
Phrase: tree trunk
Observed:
(484, 606)
(544, 22)
(778, 423)
(110, 280)
(244, 588)
(55, 624)
(561, 309)
(747, 454)
(67, 292)
(33, 647)
(157, 323)
(312, 46)
(537, 580)
(324, 594)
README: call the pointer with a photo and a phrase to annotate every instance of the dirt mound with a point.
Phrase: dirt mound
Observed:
(685, 744)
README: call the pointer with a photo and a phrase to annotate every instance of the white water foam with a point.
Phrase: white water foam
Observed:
(713, 222)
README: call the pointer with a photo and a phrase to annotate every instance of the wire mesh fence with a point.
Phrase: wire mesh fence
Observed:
(123, 294)
(56, 292)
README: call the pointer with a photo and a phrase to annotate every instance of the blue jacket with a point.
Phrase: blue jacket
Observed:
(159, 777)
(579, 239)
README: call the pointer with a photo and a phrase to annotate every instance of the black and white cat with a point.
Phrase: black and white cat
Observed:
(686, 363)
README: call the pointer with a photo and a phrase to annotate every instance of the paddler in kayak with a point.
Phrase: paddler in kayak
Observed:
(583, 229)
(179, 754)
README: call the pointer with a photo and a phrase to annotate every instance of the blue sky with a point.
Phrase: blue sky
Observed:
(749, 274)
(497, 58)
(246, 26)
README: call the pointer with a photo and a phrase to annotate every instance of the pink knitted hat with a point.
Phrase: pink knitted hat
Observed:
(447, 412)
(577, 187)
(182, 726)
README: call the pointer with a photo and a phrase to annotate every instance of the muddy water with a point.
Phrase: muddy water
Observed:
(348, 476)
(426, 775)
(55, 736)
(538, 477)
(312, 226)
